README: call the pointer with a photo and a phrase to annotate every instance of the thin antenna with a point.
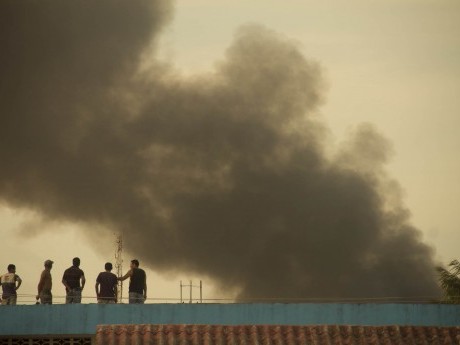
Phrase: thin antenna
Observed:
(119, 265)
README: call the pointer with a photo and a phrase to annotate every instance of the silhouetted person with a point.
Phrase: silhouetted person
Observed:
(108, 283)
(9, 286)
(137, 283)
(71, 280)
(45, 284)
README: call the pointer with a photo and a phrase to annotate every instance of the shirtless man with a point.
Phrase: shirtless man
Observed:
(45, 285)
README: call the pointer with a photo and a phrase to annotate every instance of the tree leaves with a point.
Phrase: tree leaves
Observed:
(450, 281)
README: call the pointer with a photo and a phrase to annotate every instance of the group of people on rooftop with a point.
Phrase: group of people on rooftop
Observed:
(74, 281)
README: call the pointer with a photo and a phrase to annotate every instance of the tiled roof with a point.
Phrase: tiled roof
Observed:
(274, 335)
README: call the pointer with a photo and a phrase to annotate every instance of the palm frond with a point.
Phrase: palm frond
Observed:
(450, 281)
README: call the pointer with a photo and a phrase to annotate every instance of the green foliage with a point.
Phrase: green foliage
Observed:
(450, 281)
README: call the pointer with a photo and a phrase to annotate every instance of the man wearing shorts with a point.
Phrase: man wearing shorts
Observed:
(9, 287)
(71, 280)
(45, 284)
(107, 281)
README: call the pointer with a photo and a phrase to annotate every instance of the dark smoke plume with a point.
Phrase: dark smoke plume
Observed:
(224, 174)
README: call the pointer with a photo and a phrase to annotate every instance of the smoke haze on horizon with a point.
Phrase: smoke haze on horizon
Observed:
(225, 174)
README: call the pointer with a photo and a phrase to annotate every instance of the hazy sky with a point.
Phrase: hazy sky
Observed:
(394, 64)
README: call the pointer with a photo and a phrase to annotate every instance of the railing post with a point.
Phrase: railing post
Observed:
(201, 291)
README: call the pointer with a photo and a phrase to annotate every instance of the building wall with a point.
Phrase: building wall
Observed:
(81, 319)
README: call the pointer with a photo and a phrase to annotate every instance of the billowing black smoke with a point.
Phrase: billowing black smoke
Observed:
(225, 174)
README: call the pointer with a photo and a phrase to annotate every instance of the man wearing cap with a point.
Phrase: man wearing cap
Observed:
(9, 287)
(45, 284)
(71, 280)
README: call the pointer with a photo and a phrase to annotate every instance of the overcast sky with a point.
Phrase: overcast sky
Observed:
(394, 64)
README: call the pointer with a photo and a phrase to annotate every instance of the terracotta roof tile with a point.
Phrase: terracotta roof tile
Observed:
(274, 335)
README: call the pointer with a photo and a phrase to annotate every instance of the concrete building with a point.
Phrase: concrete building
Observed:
(230, 324)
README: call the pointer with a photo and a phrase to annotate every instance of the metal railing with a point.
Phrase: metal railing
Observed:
(60, 299)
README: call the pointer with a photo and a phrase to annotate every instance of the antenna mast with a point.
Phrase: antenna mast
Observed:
(119, 265)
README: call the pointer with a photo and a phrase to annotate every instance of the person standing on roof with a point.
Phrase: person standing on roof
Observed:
(108, 283)
(137, 283)
(45, 284)
(71, 280)
(9, 287)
